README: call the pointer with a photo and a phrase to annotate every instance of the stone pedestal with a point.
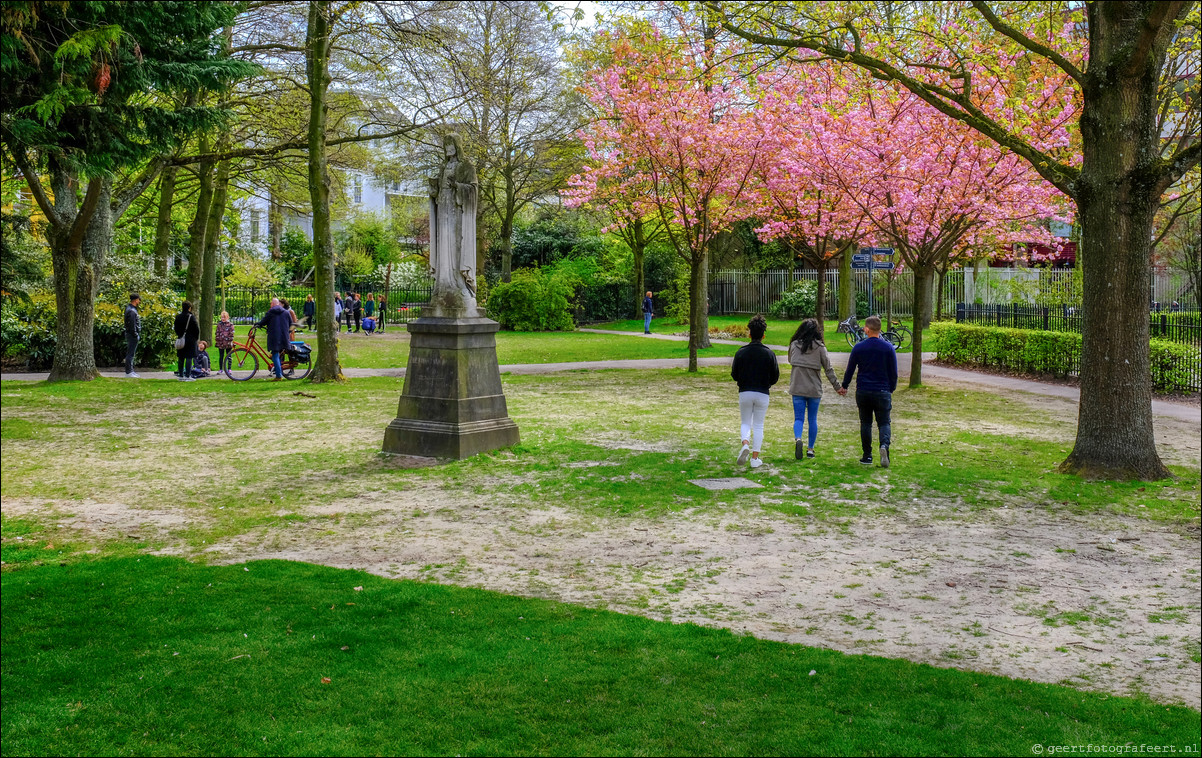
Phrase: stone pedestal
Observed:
(452, 405)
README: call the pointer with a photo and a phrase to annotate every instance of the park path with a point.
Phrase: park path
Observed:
(1177, 410)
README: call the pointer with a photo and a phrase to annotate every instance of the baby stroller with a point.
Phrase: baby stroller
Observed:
(369, 325)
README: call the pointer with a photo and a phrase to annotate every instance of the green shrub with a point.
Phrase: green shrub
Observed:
(27, 331)
(1174, 366)
(799, 301)
(532, 302)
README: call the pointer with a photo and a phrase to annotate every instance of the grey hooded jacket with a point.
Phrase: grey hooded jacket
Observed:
(805, 381)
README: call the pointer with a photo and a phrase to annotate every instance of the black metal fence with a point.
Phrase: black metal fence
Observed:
(1185, 328)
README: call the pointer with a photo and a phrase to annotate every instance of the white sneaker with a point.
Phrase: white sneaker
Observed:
(757, 462)
(132, 375)
(744, 454)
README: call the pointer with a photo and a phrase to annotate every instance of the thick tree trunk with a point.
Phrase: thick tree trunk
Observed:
(639, 249)
(163, 226)
(317, 62)
(847, 285)
(77, 271)
(196, 231)
(208, 295)
(923, 277)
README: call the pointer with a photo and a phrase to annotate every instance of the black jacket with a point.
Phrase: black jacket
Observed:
(133, 321)
(755, 368)
(188, 327)
(279, 323)
(310, 308)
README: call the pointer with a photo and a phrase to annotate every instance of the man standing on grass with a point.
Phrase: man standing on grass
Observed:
(877, 362)
(648, 312)
(133, 332)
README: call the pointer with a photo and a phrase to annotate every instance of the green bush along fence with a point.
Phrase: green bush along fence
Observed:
(1184, 327)
(1175, 367)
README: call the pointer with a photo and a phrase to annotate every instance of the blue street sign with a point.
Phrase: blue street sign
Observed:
(861, 265)
(888, 251)
(882, 264)
(861, 258)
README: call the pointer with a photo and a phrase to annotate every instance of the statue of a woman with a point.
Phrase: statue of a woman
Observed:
(453, 199)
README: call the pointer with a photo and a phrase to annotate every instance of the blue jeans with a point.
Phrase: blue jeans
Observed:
(647, 322)
(802, 407)
(277, 367)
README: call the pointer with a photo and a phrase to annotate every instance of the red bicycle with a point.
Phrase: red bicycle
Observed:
(242, 362)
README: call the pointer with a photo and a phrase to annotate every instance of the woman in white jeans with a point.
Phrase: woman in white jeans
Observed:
(755, 370)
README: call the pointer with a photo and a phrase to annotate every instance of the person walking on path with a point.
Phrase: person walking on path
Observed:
(133, 332)
(224, 338)
(310, 310)
(187, 328)
(876, 361)
(278, 322)
(648, 312)
(807, 356)
(755, 370)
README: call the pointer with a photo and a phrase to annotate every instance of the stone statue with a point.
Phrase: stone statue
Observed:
(453, 199)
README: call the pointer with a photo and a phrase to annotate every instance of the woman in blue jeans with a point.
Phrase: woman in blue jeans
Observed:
(807, 356)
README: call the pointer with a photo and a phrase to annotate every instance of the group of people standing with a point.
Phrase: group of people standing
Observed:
(364, 315)
(756, 370)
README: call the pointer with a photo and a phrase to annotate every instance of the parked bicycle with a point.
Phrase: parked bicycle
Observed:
(855, 333)
(905, 336)
(242, 362)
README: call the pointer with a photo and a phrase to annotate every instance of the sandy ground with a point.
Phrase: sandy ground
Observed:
(1101, 602)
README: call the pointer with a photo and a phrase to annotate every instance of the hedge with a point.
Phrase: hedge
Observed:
(531, 302)
(1174, 367)
(27, 331)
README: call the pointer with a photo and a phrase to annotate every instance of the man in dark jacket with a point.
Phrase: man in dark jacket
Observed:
(133, 332)
(755, 369)
(648, 312)
(279, 323)
(876, 361)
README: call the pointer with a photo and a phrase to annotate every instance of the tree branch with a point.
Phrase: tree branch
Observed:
(1175, 167)
(1001, 27)
(31, 178)
(1150, 29)
(126, 196)
(84, 217)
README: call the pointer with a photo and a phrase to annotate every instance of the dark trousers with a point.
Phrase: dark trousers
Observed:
(131, 347)
(185, 365)
(874, 404)
(355, 315)
(221, 353)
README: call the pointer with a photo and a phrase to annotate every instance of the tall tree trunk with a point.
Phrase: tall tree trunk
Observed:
(923, 278)
(1118, 171)
(698, 318)
(700, 311)
(820, 306)
(939, 294)
(200, 225)
(275, 225)
(163, 226)
(78, 264)
(847, 284)
(639, 249)
(208, 295)
(317, 66)
(505, 239)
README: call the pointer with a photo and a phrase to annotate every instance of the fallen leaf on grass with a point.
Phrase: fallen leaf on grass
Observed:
(325, 680)
(358, 589)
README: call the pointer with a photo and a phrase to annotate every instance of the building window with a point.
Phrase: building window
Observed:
(357, 184)
(256, 225)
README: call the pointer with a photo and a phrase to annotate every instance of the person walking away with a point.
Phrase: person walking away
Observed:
(278, 323)
(133, 332)
(187, 332)
(807, 357)
(224, 338)
(648, 312)
(310, 310)
(356, 312)
(876, 361)
(755, 370)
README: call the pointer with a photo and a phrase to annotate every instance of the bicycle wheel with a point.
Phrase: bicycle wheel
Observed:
(241, 364)
(854, 336)
(905, 335)
(893, 337)
(294, 369)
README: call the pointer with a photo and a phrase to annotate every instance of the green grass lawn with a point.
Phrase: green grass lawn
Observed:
(143, 656)
(780, 331)
(391, 349)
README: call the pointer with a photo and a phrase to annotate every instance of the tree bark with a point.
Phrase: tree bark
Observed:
(78, 263)
(698, 318)
(163, 226)
(847, 285)
(820, 306)
(922, 299)
(275, 225)
(1119, 170)
(505, 239)
(639, 249)
(939, 294)
(208, 295)
(317, 63)
(196, 231)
